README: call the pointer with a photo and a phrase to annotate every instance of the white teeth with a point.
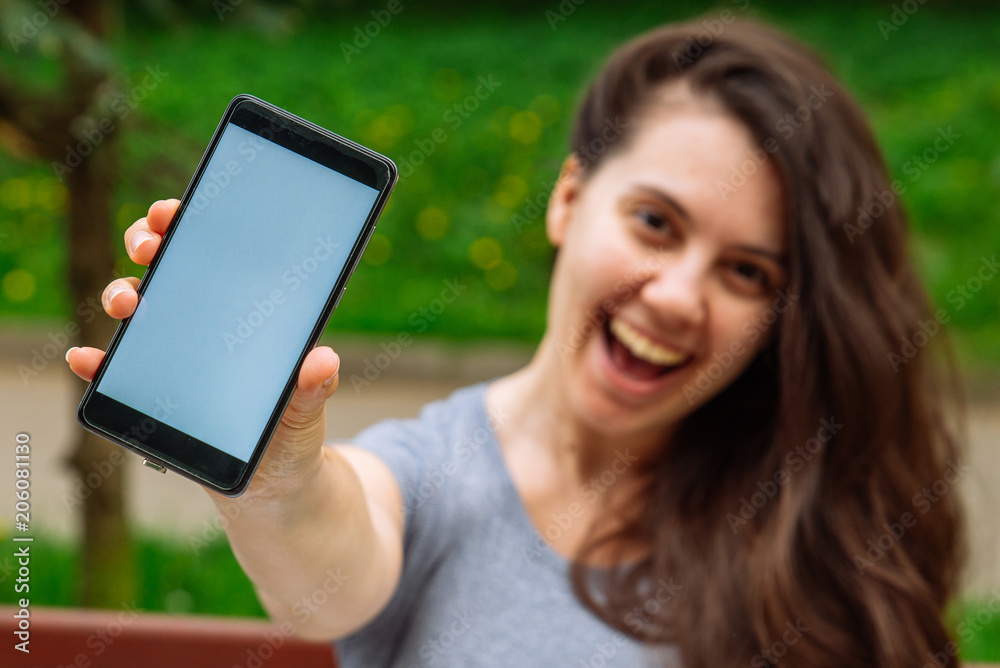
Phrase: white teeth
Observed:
(642, 347)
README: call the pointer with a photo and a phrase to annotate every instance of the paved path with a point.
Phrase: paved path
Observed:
(45, 405)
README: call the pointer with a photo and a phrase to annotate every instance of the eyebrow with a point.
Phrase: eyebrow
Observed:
(779, 258)
(666, 199)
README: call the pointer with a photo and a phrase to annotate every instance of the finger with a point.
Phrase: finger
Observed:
(318, 379)
(120, 298)
(141, 243)
(84, 361)
(161, 214)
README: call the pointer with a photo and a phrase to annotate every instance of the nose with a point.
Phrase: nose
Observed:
(674, 293)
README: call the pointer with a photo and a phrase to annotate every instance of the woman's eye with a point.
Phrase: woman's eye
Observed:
(750, 273)
(652, 219)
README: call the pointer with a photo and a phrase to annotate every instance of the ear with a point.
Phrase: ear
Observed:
(563, 199)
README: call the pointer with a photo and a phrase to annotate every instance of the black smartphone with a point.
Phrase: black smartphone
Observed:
(269, 231)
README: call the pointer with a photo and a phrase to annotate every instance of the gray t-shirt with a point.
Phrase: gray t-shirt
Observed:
(480, 587)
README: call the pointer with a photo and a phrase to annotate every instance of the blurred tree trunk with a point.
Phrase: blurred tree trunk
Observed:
(55, 126)
(106, 572)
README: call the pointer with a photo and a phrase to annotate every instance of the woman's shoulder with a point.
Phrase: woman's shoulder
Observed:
(439, 453)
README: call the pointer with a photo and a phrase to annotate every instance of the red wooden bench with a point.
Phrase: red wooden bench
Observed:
(73, 638)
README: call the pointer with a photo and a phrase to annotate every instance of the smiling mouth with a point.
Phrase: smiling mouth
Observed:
(636, 356)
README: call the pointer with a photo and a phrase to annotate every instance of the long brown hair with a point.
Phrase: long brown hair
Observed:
(788, 520)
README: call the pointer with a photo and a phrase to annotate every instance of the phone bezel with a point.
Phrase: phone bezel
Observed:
(159, 442)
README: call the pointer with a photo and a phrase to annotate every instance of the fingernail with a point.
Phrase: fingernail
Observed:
(69, 351)
(113, 292)
(138, 239)
(329, 381)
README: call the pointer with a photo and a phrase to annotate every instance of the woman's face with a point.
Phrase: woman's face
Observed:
(670, 261)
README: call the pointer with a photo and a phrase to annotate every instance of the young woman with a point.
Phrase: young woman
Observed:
(716, 456)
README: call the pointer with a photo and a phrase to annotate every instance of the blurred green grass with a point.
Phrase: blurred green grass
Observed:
(455, 216)
(171, 576)
(174, 577)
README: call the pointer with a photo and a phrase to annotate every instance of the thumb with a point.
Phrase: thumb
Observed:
(318, 380)
(303, 426)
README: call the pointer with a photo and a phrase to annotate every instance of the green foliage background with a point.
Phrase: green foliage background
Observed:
(455, 216)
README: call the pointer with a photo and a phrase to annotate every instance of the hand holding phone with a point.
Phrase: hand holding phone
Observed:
(296, 447)
(244, 273)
